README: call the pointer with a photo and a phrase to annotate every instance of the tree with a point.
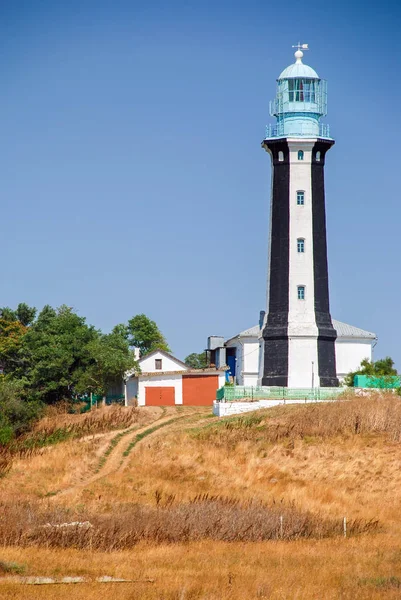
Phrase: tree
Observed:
(25, 314)
(11, 339)
(381, 368)
(122, 330)
(8, 314)
(54, 354)
(145, 335)
(196, 361)
(109, 358)
(13, 327)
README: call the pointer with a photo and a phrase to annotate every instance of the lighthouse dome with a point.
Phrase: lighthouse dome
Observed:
(298, 70)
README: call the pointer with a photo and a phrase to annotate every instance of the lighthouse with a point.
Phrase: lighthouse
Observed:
(298, 337)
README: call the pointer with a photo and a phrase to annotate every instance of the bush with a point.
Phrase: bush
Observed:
(16, 414)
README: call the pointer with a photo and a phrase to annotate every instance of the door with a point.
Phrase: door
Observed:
(159, 396)
(199, 390)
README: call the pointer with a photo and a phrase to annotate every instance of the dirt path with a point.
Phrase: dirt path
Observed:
(121, 444)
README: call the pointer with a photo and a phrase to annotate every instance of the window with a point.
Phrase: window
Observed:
(281, 156)
(301, 90)
(318, 156)
(300, 198)
(300, 245)
(158, 364)
(301, 292)
(300, 154)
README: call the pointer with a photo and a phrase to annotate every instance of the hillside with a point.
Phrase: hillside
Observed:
(189, 506)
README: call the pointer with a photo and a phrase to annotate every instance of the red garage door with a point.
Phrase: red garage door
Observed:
(159, 396)
(199, 390)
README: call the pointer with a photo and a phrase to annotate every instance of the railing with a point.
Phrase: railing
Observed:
(235, 393)
(273, 131)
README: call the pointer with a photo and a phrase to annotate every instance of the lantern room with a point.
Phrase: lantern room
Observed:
(300, 102)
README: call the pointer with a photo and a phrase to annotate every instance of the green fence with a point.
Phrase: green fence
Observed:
(370, 381)
(238, 392)
(87, 403)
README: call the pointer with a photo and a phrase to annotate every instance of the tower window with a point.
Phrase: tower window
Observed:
(301, 292)
(300, 154)
(301, 90)
(158, 364)
(300, 198)
(281, 156)
(318, 156)
(300, 245)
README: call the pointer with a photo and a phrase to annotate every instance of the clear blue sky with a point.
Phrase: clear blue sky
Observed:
(132, 177)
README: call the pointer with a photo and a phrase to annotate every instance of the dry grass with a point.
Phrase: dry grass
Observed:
(345, 417)
(312, 464)
(205, 517)
(96, 421)
(363, 568)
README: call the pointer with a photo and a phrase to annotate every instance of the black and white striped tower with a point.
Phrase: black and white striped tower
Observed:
(298, 346)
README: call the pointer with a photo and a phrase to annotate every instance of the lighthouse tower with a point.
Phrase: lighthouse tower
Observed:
(298, 338)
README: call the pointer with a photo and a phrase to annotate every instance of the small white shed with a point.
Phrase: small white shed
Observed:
(164, 380)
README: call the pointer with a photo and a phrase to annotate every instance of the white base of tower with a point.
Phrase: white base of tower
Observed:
(302, 362)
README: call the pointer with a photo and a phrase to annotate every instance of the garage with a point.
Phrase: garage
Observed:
(199, 390)
(159, 396)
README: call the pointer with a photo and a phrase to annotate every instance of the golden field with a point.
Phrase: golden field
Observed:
(189, 506)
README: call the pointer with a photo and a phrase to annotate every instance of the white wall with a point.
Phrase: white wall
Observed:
(301, 312)
(302, 328)
(174, 381)
(225, 409)
(302, 352)
(350, 353)
(247, 353)
(250, 363)
(222, 379)
(147, 363)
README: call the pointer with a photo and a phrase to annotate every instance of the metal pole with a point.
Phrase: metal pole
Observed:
(345, 526)
(313, 375)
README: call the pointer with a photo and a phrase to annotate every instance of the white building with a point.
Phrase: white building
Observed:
(243, 353)
(164, 380)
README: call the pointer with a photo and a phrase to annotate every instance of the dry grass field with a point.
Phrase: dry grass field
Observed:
(188, 506)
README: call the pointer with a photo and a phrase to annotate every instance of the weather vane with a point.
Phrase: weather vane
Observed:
(301, 46)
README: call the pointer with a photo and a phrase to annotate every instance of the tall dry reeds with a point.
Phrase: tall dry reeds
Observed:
(215, 518)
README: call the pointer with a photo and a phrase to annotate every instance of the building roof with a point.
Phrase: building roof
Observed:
(343, 331)
(192, 372)
(133, 372)
(299, 70)
(251, 332)
(349, 331)
(158, 351)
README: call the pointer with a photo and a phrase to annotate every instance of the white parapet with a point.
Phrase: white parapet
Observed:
(225, 409)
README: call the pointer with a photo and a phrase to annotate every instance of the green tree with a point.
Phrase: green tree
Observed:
(8, 314)
(54, 354)
(383, 367)
(145, 335)
(122, 330)
(196, 361)
(109, 357)
(11, 339)
(25, 314)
